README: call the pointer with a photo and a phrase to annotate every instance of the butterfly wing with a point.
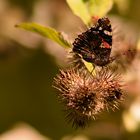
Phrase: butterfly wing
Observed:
(94, 45)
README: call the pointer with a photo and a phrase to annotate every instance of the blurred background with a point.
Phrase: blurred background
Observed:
(29, 109)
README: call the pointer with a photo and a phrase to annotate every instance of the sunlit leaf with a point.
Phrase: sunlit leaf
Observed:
(90, 67)
(99, 7)
(46, 32)
(79, 8)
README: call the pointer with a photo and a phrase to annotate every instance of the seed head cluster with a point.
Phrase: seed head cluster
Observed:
(85, 95)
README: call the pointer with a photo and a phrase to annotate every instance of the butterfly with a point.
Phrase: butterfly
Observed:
(94, 45)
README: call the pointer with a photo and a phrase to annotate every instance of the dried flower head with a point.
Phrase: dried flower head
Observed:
(86, 95)
(111, 85)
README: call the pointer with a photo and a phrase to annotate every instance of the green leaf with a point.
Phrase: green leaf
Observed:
(46, 32)
(90, 67)
(99, 7)
(79, 8)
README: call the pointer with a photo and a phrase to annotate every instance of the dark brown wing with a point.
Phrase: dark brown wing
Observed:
(94, 45)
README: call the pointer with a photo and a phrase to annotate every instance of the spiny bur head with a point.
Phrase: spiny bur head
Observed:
(85, 95)
(111, 85)
(78, 92)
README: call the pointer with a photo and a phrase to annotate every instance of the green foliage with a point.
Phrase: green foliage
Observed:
(46, 32)
(89, 66)
(85, 9)
(79, 8)
(99, 7)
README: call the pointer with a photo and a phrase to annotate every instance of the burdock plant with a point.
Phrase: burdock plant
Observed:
(85, 95)
(84, 90)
